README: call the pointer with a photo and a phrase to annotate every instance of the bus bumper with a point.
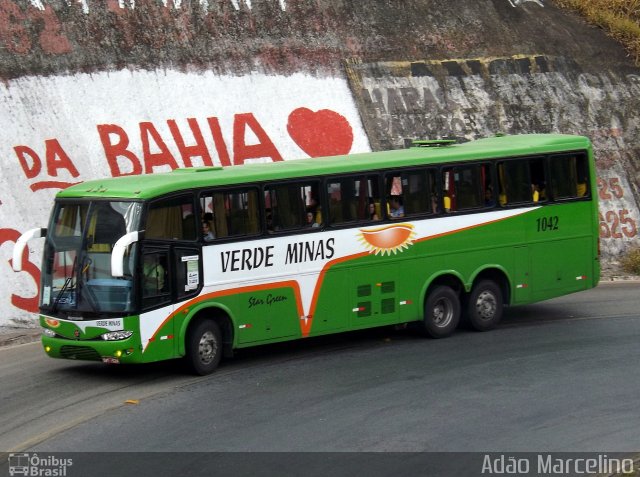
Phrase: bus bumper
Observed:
(113, 352)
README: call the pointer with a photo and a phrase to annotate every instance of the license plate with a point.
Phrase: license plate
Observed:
(110, 360)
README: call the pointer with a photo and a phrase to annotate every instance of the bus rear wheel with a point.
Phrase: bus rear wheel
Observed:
(204, 347)
(441, 312)
(484, 306)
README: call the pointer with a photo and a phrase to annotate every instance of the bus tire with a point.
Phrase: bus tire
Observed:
(441, 312)
(484, 306)
(204, 347)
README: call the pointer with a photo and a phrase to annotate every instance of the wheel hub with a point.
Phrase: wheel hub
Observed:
(442, 312)
(207, 347)
(486, 305)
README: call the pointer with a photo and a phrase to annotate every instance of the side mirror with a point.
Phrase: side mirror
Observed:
(119, 249)
(21, 244)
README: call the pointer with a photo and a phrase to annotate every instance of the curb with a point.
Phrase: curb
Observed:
(16, 336)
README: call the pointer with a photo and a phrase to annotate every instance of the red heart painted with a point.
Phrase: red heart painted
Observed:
(323, 133)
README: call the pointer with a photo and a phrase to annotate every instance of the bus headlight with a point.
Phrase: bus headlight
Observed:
(48, 332)
(116, 335)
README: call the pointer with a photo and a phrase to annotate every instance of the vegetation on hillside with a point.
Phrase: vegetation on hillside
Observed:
(630, 262)
(620, 18)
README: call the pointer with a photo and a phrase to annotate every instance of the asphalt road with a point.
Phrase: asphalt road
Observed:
(559, 376)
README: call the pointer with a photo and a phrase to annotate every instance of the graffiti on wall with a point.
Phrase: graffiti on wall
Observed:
(131, 4)
(146, 150)
(17, 23)
(129, 123)
(616, 222)
(515, 3)
(238, 37)
(471, 98)
(618, 215)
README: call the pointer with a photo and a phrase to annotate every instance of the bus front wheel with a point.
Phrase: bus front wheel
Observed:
(204, 347)
(441, 312)
(484, 306)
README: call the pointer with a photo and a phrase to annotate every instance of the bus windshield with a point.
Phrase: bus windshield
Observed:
(76, 278)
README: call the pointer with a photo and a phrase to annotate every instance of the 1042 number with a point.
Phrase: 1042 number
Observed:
(548, 223)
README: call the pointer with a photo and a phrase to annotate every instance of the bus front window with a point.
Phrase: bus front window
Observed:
(76, 275)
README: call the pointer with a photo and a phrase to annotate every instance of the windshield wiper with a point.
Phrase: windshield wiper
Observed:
(67, 282)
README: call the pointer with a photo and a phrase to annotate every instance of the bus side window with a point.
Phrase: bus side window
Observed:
(569, 174)
(522, 181)
(230, 213)
(353, 198)
(410, 192)
(242, 212)
(171, 219)
(292, 206)
(395, 200)
(463, 187)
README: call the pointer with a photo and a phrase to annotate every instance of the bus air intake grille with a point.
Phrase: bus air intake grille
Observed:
(364, 290)
(80, 352)
(388, 287)
(388, 305)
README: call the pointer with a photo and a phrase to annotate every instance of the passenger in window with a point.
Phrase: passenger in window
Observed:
(434, 203)
(311, 219)
(207, 233)
(396, 210)
(316, 212)
(489, 199)
(373, 215)
(270, 227)
(581, 187)
(152, 275)
(446, 202)
(314, 209)
(535, 192)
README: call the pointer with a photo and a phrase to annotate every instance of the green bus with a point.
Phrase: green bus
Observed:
(198, 262)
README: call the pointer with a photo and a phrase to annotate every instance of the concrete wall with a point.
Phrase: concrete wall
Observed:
(100, 88)
(472, 98)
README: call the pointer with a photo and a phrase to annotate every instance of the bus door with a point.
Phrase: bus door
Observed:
(170, 274)
(156, 300)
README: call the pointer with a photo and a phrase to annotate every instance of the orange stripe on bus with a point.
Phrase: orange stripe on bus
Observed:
(231, 291)
(305, 325)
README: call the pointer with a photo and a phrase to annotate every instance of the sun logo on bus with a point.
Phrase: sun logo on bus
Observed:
(387, 239)
(52, 322)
